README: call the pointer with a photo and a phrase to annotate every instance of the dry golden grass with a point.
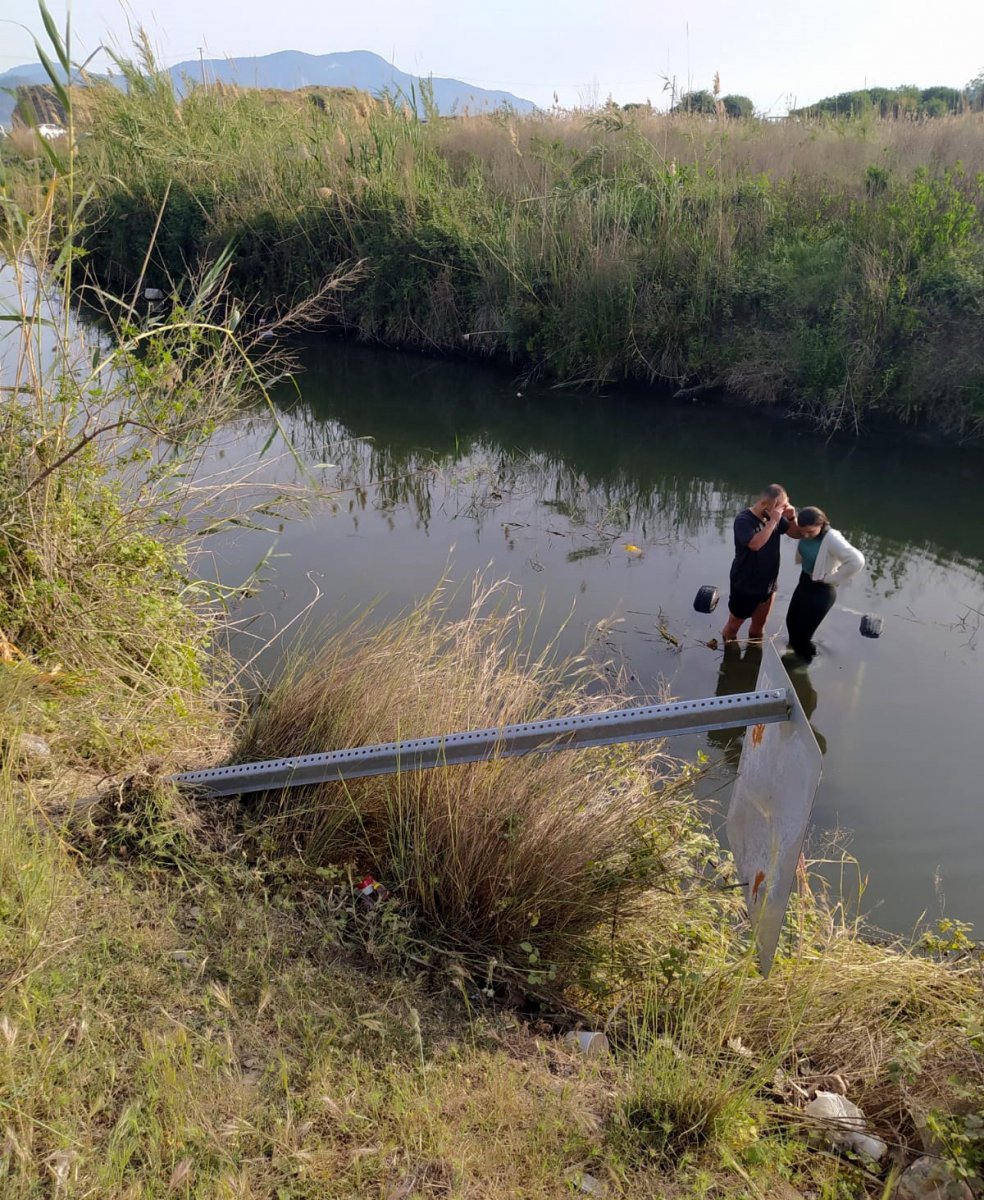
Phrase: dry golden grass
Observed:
(589, 247)
(510, 149)
(516, 860)
(897, 1026)
(215, 1031)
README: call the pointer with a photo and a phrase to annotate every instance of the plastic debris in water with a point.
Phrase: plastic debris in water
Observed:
(632, 549)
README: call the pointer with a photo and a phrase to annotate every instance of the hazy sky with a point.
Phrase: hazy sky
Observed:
(779, 52)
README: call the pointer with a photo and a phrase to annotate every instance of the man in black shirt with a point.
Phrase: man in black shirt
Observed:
(755, 570)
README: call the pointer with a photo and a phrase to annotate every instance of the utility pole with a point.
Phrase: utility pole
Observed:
(201, 59)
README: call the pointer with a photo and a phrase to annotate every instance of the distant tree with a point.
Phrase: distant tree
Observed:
(906, 101)
(637, 106)
(844, 104)
(853, 104)
(738, 106)
(696, 102)
(950, 99)
(975, 92)
(903, 101)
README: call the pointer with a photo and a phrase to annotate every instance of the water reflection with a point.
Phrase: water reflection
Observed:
(806, 693)
(624, 461)
(738, 672)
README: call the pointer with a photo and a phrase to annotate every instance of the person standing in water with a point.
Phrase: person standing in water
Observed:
(755, 570)
(828, 560)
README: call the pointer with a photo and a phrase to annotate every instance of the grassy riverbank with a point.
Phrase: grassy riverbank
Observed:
(193, 1002)
(836, 268)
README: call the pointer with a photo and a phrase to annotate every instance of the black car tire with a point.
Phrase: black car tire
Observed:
(706, 600)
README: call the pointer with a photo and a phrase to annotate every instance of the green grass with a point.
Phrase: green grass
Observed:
(187, 1009)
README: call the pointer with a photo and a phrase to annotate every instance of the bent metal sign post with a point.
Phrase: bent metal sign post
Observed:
(770, 806)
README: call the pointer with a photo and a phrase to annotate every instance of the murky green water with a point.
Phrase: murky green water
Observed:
(445, 468)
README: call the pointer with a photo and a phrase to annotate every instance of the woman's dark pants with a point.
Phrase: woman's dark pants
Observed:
(811, 602)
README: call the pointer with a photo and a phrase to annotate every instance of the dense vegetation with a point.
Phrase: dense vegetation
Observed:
(837, 269)
(905, 101)
(711, 104)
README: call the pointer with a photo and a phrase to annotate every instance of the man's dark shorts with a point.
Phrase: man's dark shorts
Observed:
(743, 605)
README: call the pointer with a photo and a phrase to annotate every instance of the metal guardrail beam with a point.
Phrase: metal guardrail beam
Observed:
(477, 745)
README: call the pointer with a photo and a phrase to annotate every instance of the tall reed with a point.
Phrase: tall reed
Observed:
(102, 432)
(833, 268)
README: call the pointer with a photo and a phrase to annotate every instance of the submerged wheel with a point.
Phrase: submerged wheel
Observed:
(871, 626)
(706, 600)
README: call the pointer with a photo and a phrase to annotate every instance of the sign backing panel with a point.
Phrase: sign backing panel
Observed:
(769, 814)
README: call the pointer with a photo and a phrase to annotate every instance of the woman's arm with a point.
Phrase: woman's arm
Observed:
(794, 530)
(851, 560)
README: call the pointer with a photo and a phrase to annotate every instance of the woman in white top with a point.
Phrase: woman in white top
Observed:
(828, 560)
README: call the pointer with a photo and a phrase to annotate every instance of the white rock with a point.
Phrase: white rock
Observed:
(869, 1147)
(931, 1179)
(592, 1186)
(586, 1183)
(33, 747)
(153, 294)
(837, 1112)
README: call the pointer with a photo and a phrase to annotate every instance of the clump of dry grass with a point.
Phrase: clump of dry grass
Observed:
(514, 860)
(897, 1026)
(710, 1039)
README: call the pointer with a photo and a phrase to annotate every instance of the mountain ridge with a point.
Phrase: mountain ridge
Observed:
(289, 70)
(363, 69)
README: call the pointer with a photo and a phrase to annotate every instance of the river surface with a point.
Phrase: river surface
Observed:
(445, 469)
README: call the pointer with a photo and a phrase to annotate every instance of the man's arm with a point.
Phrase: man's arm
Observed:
(759, 539)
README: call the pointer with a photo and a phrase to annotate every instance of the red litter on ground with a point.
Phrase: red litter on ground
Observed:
(370, 891)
